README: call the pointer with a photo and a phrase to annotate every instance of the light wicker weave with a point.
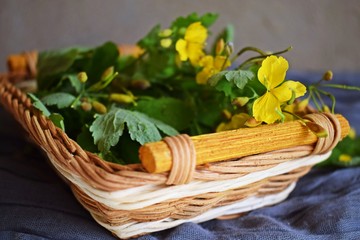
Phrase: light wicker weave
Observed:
(130, 202)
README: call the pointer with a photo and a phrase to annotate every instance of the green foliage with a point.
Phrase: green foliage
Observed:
(59, 99)
(107, 129)
(207, 20)
(233, 82)
(165, 97)
(170, 110)
(347, 146)
(36, 102)
(103, 57)
(53, 63)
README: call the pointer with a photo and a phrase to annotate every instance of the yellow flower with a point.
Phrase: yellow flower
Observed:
(345, 158)
(211, 66)
(271, 74)
(237, 121)
(191, 46)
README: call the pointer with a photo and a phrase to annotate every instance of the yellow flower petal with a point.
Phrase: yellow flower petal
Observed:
(196, 33)
(203, 76)
(207, 61)
(237, 121)
(272, 71)
(194, 52)
(295, 86)
(181, 48)
(264, 108)
(221, 62)
(284, 92)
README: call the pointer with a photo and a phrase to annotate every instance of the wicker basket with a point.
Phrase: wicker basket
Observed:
(129, 201)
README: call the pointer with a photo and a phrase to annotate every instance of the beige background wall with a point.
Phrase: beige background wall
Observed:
(325, 34)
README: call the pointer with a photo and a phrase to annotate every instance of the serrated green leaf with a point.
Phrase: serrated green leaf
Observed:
(36, 102)
(107, 128)
(52, 63)
(239, 77)
(170, 110)
(104, 57)
(60, 99)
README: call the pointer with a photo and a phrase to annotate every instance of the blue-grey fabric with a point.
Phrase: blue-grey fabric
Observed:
(36, 204)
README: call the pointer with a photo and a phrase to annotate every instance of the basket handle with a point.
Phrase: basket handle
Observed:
(157, 157)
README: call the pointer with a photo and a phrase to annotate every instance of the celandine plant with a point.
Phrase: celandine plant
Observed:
(112, 99)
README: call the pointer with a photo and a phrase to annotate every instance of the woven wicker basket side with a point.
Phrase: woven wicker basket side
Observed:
(104, 188)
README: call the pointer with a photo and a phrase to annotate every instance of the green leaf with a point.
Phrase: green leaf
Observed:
(107, 128)
(239, 77)
(151, 40)
(60, 99)
(36, 102)
(232, 82)
(74, 81)
(53, 63)
(103, 57)
(207, 20)
(170, 110)
(58, 120)
(85, 140)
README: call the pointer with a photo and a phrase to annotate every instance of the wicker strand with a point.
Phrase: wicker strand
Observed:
(332, 125)
(184, 159)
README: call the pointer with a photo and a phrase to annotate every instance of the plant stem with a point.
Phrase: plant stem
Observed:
(340, 86)
(263, 56)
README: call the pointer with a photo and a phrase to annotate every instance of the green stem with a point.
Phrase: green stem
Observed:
(340, 86)
(314, 99)
(263, 56)
(245, 49)
(318, 95)
(332, 97)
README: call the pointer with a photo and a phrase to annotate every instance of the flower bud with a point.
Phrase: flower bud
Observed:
(82, 76)
(166, 42)
(326, 109)
(141, 84)
(220, 46)
(99, 107)
(240, 101)
(229, 48)
(328, 75)
(226, 114)
(86, 106)
(165, 33)
(107, 73)
(121, 98)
